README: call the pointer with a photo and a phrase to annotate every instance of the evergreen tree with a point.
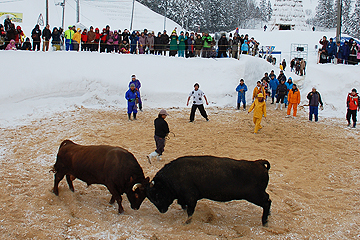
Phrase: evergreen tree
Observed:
(325, 15)
(263, 10)
(354, 26)
(345, 20)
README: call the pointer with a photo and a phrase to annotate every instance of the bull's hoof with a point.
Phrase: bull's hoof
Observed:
(188, 220)
(265, 224)
(55, 192)
(121, 211)
(71, 189)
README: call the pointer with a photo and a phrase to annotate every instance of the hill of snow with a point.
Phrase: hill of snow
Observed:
(97, 13)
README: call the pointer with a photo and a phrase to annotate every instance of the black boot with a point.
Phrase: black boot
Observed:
(238, 106)
(272, 100)
(244, 107)
(129, 114)
(354, 125)
(134, 115)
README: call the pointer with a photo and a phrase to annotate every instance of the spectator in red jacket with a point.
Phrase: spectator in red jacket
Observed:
(352, 103)
(84, 39)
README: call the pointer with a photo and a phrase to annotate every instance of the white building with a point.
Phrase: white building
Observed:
(288, 15)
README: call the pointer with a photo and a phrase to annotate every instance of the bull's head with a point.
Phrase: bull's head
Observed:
(137, 194)
(160, 195)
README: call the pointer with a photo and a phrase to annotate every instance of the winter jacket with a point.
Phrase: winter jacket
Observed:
(259, 108)
(223, 43)
(331, 48)
(137, 84)
(110, 39)
(46, 34)
(84, 37)
(345, 51)
(134, 39)
(235, 44)
(281, 77)
(353, 51)
(198, 43)
(77, 37)
(131, 95)
(352, 102)
(294, 96)
(26, 46)
(165, 39)
(173, 43)
(207, 41)
(244, 47)
(150, 41)
(7, 24)
(324, 44)
(241, 87)
(36, 33)
(161, 127)
(125, 36)
(314, 98)
(258, 90)
(142, 41)
(11, 45)
(181, 45)
(191, 44)
(289, 85)
(55, 37)
(274, 83)
(69, 34)
(91, 36)
(117, 39)
(281, 89)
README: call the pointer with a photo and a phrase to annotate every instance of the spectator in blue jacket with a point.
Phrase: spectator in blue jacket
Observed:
(273, 86)
(289, 85)
(245, 47)
(345, 52)
(241, 89)
(137, 88)
(134, 42)
(331, 49)
(132, 97)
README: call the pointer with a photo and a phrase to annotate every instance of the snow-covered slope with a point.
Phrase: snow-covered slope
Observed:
(116, 13)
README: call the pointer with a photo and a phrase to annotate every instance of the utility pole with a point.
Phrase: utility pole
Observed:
(132, 15)
(78, 11)
(47, 12)
(166, 3)
(63, 13)
(338, 21)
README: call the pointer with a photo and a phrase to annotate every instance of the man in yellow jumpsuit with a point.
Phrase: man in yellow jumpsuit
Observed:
(259, 107)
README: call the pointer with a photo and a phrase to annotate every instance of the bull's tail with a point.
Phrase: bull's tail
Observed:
(265, 163)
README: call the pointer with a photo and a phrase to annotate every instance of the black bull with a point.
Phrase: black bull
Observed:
(114, 167)
(192, 178)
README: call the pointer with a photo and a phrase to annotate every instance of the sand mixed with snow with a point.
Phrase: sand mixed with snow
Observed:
(313, 177)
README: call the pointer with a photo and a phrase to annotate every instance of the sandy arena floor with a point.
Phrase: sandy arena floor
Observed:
(314, 178)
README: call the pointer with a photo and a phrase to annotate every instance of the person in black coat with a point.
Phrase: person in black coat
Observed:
(281, 92)
(56, 39)
(36, 37)
(7, 23)
(223, 45)
(46, 35)
(26, 45)
(161, 131)
(164, 41)
(157, 44)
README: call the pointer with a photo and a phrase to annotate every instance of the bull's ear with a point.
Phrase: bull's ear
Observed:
(147, 179)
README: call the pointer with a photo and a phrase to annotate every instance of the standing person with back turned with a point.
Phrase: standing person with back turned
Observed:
(197, 95)
(161, 131)
(132, 97)
(137, 88)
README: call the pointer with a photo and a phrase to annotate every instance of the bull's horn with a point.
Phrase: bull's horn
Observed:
(152, 183)
(137, 185)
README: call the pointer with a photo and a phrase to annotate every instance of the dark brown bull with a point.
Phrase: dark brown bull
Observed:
(114, 167)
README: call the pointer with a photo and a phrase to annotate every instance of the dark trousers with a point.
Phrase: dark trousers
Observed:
(351, 114)
(36, 45)
(160, 144)
(280, 97)
(201, 109)
(314, 110)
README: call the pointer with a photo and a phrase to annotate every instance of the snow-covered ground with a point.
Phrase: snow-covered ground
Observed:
(37, 83)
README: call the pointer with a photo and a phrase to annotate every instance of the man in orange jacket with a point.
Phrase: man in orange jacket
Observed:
(258, 89)
(293, 100)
